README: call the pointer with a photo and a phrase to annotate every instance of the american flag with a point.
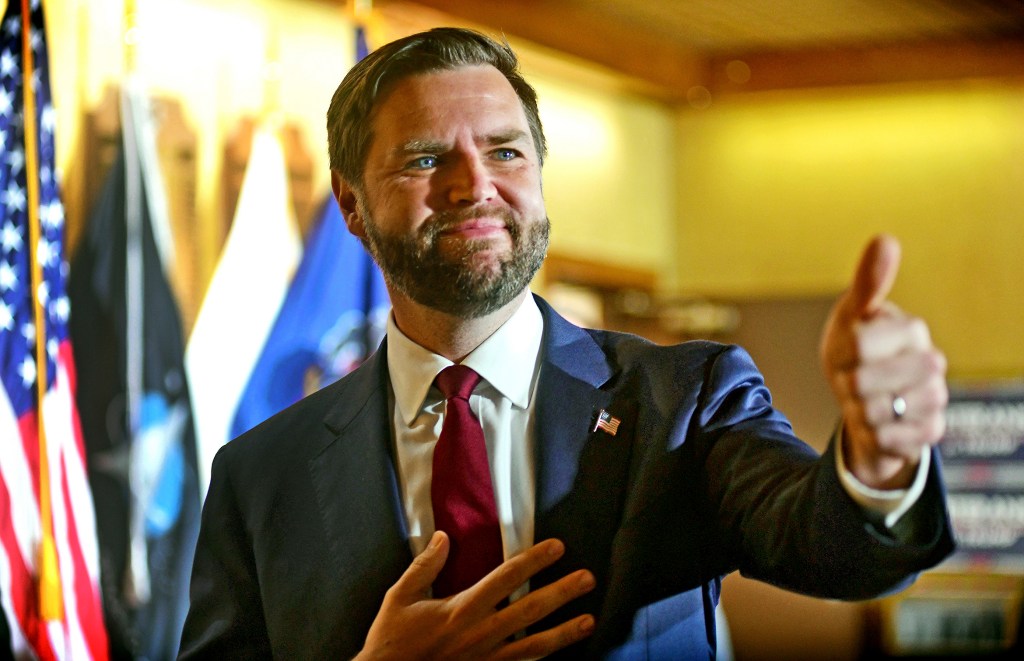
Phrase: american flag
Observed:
(607, 423)
(49, 569)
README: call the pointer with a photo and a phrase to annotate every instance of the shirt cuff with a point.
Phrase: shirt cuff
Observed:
(890, 503)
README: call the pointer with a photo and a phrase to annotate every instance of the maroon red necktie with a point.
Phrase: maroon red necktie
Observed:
(461, 490)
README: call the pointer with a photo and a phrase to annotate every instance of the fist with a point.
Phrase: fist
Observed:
(887, 376)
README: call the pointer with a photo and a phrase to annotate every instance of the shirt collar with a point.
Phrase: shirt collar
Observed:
(507, 360)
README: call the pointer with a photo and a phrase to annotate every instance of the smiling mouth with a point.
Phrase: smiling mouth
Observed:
(475, 228)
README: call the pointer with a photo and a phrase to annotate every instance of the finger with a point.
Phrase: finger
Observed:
(549, 641)
(414, 584)
(509, 575)
(540, 603)
(873, 279)
(922, 401)
(906, 438)
(900, 373)
(890, 335)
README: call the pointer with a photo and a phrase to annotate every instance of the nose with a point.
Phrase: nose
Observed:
(471, 181)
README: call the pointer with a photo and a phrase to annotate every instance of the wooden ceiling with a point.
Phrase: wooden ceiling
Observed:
(733, 46)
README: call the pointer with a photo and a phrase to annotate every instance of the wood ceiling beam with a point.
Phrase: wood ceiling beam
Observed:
(669, 68)
(670, 71)
(897, 63)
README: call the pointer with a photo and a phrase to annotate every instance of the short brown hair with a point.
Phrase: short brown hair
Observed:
(348, 117)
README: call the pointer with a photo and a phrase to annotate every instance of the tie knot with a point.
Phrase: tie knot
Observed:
(457, 381)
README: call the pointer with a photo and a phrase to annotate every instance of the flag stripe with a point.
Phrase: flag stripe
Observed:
(18, 642)
(26, 626)
(75, 592)
(16, 589)
(84, 622)
(15, 469)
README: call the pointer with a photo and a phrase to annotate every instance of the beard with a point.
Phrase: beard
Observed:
(458, 285)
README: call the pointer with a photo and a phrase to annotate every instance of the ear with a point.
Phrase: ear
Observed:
(345, 196)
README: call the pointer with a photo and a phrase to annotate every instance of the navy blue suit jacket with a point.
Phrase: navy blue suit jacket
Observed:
(303, 530)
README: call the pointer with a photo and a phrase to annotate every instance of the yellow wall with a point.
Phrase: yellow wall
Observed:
(212, 57)
(610, 178)
(778, 192)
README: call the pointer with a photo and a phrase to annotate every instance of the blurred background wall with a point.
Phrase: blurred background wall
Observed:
(715, 169)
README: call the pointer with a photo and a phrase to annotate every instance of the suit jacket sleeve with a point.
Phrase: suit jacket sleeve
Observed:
(225, 618)
(781, 509)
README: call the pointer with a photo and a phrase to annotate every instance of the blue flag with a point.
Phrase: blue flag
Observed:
(333, 317)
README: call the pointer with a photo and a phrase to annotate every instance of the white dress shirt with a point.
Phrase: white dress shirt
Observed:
(504, 400)
(504, 404)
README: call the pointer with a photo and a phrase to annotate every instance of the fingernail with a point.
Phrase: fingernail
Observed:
(587, 580)
(556, 548)
(435, 541)
(587, 624)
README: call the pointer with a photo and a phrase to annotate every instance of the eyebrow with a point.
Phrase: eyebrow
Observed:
(510, 135)
(417, 146)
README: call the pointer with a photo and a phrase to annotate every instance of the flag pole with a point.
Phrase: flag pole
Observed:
(137, 584)
(51, 602)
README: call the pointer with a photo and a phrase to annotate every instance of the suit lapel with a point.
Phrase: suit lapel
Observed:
(356, 484)
(582, 473)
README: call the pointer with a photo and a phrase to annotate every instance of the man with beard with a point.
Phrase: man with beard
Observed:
(602, 485)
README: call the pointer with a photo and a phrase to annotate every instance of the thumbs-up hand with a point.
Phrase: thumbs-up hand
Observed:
(888, 377)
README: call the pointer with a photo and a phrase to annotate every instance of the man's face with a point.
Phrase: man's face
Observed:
(451, 205)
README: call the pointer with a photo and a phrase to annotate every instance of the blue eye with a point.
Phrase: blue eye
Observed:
(506, 154)
(423, 163)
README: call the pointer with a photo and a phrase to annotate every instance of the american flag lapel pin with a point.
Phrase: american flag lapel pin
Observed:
(606, 423)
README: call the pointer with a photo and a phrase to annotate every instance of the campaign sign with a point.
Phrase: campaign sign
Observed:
(983, 461)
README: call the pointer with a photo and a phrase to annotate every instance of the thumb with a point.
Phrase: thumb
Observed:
(415, 582)
(874, 278)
